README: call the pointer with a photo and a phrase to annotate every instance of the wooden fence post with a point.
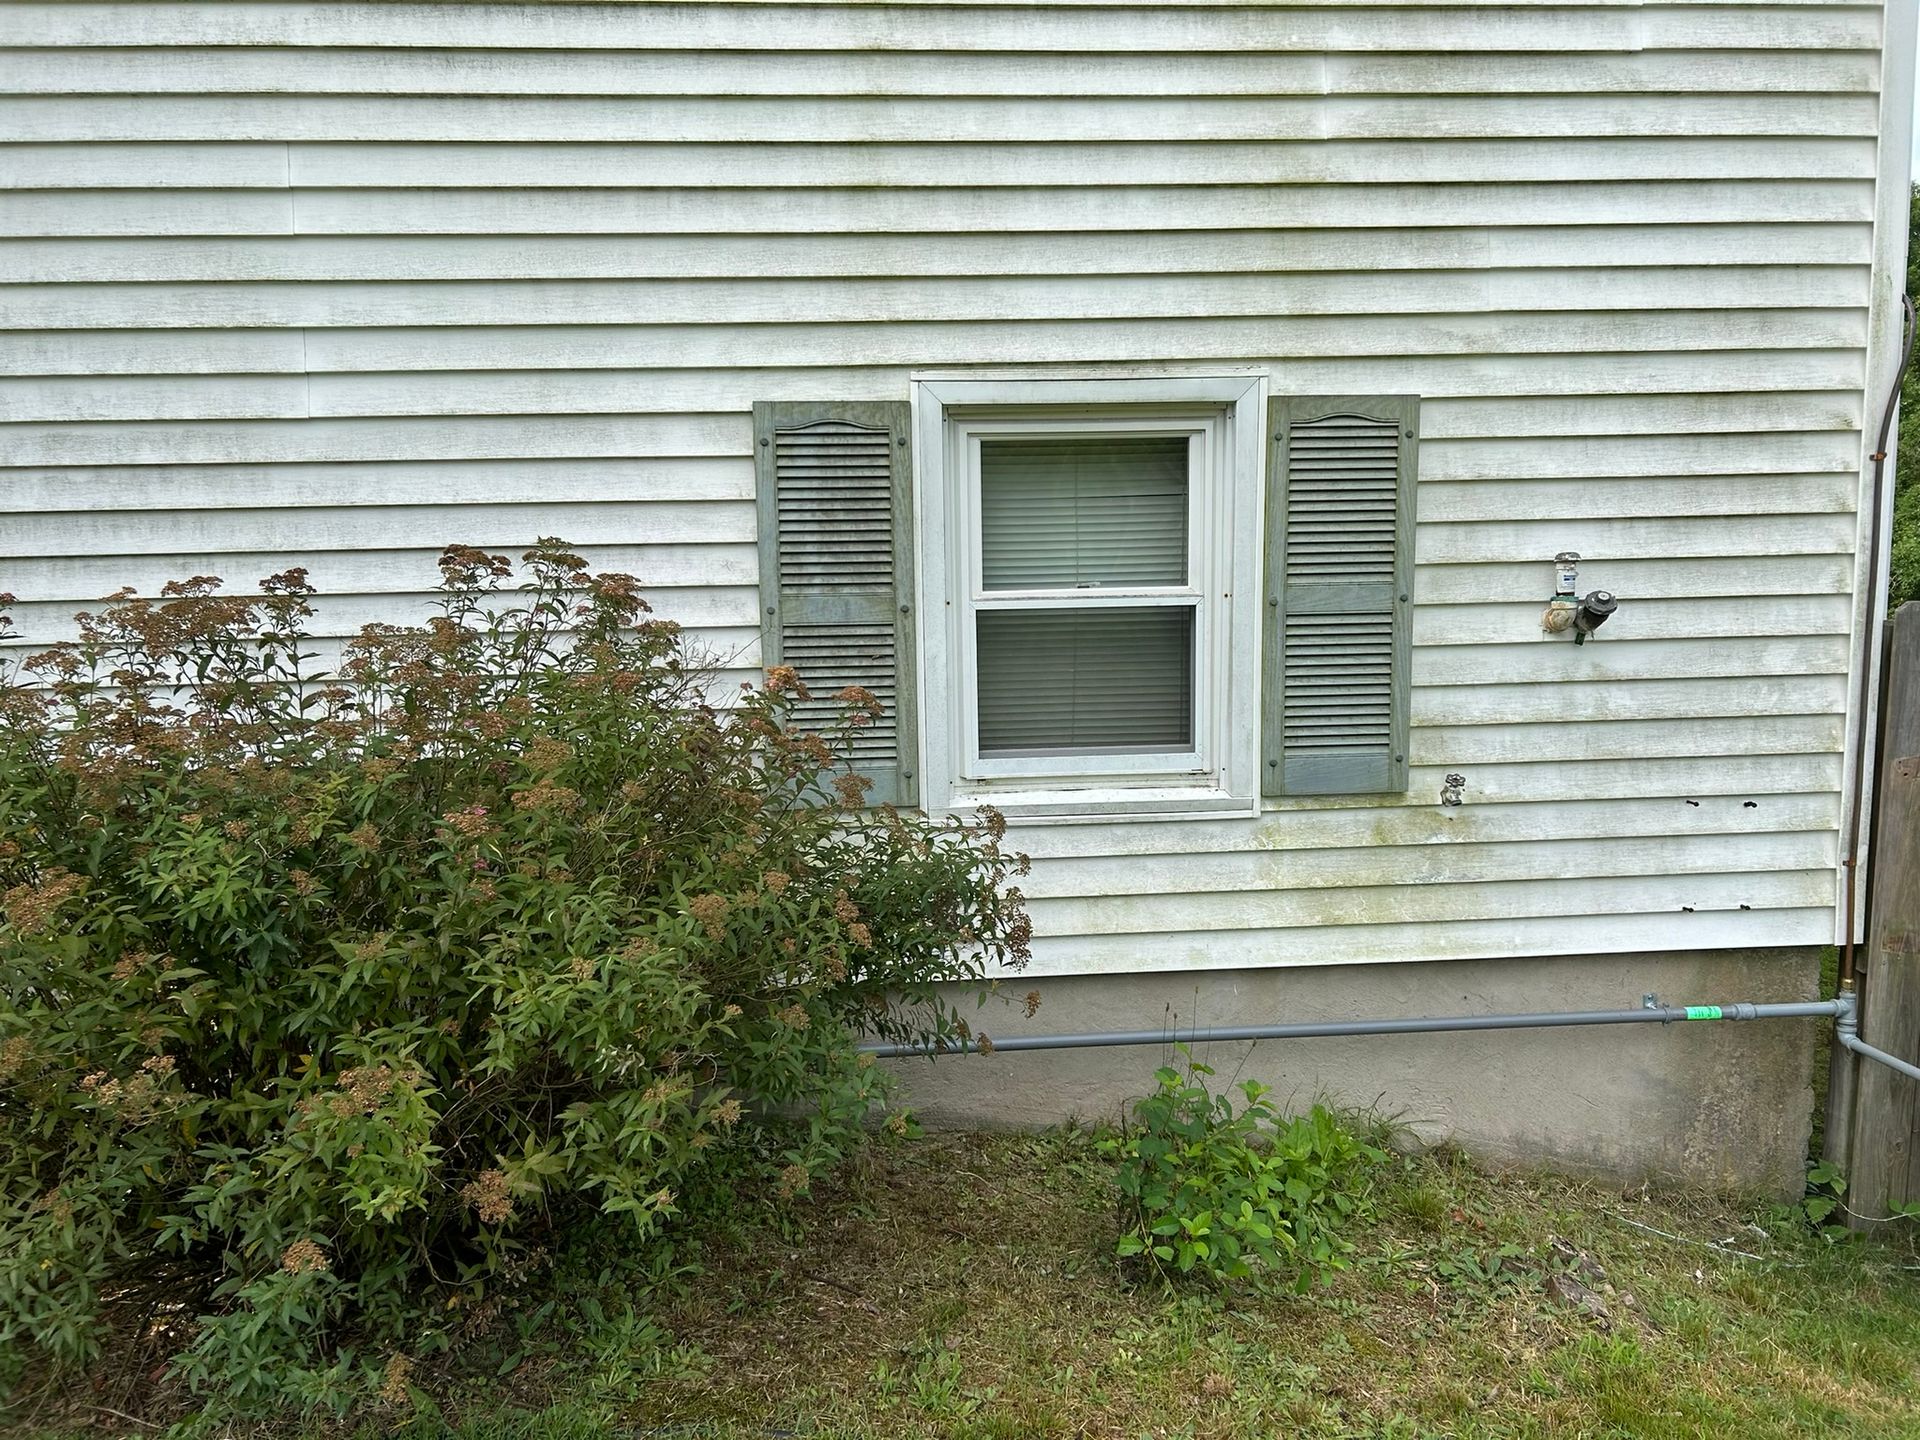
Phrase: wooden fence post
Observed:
(1886, 1127)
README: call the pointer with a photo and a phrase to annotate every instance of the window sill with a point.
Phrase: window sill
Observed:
(1092, 805)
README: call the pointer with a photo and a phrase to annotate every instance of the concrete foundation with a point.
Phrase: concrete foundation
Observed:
(1722, 1105)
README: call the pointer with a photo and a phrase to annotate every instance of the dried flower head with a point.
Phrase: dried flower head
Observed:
(131, 963)
(394, 1387)
(364, 1087)
(490, 1196)
(15, 1051)
(303, 1257)
(711, 911)
(30, 908)
(785, 680)
(864, 703)
(545, 795)
(545, 755)
(852, 789)
(471, 822)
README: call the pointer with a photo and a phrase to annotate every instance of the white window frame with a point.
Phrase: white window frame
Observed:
(1224, 413)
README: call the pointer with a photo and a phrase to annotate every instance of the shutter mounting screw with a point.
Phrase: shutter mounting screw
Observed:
(906, 609)
(764, 441)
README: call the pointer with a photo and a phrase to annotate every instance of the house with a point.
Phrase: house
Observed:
(1175, 410)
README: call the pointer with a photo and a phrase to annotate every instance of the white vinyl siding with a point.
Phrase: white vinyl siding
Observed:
(334, 283)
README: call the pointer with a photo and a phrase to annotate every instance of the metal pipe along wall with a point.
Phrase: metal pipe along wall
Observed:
(1313, 1029)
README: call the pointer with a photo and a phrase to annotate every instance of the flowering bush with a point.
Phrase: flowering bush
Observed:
(325, 998)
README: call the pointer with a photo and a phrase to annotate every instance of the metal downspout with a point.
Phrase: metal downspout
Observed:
(1842, 1079)
(1848, 967)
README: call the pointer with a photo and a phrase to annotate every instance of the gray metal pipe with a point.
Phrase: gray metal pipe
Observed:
(1846, 1030)
(1652, 1013)
(1893, 1062)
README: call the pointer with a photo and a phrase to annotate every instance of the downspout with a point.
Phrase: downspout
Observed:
(1842, 1075)
(1868, 673)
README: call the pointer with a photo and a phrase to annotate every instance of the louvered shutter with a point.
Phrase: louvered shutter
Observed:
(836, 572)
(1339, 579)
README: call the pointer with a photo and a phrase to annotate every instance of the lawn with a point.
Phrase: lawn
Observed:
(960, 1286)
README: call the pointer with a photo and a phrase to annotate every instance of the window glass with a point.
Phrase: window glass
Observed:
(1057, 681)
(1083, 512)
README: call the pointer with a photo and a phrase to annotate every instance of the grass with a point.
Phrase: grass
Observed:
(960, 1287)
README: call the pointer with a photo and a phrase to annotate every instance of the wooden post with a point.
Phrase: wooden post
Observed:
(1886, 1126)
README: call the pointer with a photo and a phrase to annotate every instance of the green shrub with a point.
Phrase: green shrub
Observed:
(1227, 1194)
(326, 1000)
(1904, 564)
(1904, 542)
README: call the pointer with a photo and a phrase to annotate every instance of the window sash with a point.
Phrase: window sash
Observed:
(1065, 684)
(1095, 512)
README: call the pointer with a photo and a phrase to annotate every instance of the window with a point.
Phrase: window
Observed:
(1088, 553)
(1076, 598)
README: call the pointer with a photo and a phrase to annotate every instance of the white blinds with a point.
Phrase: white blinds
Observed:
(1083, 512)
(1113, 680)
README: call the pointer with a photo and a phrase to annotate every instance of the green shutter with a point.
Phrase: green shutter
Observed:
(1340, 488)
(836, 569)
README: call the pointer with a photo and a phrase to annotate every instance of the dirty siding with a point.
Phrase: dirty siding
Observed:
(336, 283)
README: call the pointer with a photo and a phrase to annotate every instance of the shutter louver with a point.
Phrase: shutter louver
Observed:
(1339, 573)
(836, 571)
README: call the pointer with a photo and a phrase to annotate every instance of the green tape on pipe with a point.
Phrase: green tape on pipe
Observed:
(1703, 1012)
